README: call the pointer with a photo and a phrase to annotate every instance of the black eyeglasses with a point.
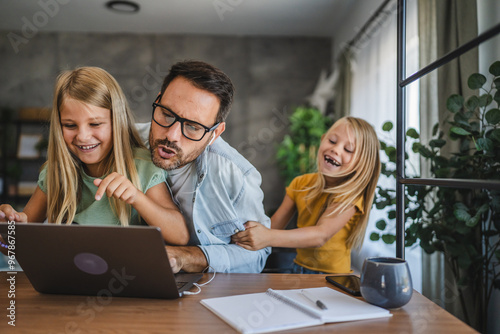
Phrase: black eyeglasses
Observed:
(192, 130)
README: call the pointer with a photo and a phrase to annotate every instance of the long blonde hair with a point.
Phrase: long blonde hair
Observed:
(93, 86)
(360, 180)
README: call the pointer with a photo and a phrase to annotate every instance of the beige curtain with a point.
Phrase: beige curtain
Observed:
(443, 26)
(342, 101)
(432, 265)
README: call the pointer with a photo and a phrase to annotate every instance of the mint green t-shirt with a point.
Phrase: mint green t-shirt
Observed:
(92, 212)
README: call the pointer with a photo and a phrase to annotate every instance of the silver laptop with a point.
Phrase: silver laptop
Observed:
(97, 261)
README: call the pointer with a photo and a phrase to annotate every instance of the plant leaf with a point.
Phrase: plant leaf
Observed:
(381, 224)
(465, 145)
(497, 97)
(437, 143)
(388, 238)
(476, 81)
(435, 129)
(472, 103)
(416, 147)
(382, 204)
(495, 68)
(374, 236)
(495, 135)
(387, 126)
(412, 133)
(496, 82)
(461, 212)
(411, 189)
(424, 151)
(391, 153)
(486, 99)
(428, 248)
(473, 221)
(493, 116)
(459, 131)
(483, 209)
(454, 103)
(484, 144)
(461, 119)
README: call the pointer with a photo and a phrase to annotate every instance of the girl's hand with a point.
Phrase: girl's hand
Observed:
(255, 237)
(7, 213)
(117, 186)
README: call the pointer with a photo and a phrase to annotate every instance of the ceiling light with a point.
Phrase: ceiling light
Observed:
(123, 6)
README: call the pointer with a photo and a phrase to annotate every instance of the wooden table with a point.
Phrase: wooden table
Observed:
(44, 313)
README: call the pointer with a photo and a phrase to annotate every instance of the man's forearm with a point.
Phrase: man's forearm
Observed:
(230, 258)
(189, 258)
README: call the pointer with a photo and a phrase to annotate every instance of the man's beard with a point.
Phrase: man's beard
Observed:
(178, 160)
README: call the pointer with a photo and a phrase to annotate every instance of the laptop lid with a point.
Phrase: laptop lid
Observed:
(97, 260)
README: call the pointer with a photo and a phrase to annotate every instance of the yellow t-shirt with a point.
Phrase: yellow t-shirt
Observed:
(334, 256)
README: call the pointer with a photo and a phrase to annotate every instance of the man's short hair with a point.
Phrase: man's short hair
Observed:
(207, 77)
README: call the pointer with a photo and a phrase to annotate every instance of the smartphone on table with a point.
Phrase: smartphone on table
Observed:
(348, 283)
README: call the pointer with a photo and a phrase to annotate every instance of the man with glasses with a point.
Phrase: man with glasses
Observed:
(215, 187)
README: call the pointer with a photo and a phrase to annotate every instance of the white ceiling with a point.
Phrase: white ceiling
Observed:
(217, 17)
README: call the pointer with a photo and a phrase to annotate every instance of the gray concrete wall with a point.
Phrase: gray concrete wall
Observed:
(271, 75)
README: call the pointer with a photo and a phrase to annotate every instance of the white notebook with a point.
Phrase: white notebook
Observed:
(277, 310)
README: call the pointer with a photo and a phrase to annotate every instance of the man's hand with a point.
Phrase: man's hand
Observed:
(255, 237)
(176, 267)
(190, 259)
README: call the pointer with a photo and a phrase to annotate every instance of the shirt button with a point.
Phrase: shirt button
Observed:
(236, 231)
(199, 231)
(194, 199)
(202, 176)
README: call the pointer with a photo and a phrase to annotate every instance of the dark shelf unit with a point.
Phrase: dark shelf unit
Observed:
(25, 168)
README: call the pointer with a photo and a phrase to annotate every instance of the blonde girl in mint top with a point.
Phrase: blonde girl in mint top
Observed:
(92, 212)
(333, 204)
(97, 170)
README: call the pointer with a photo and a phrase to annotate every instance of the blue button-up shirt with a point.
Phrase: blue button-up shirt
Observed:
(227, 194)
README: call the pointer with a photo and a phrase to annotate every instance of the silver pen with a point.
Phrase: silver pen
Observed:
(318, 302)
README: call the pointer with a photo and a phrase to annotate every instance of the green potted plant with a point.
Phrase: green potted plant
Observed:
(463, 224)
(296, 154)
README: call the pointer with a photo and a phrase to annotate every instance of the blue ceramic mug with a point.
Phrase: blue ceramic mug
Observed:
(386, 282)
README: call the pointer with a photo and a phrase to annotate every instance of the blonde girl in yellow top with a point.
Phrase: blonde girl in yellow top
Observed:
(97, 170)
(333, 204)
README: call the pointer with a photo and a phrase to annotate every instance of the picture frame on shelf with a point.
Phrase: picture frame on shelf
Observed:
(27, 148)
